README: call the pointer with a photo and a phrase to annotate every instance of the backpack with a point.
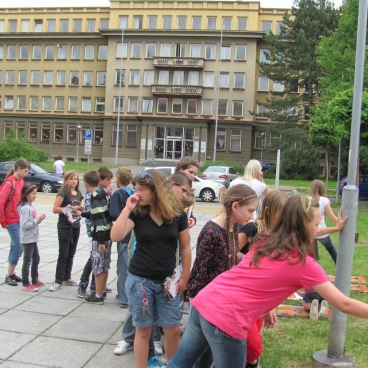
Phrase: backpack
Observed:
(10, 196)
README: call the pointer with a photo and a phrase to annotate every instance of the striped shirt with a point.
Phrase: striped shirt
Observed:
(101, 222)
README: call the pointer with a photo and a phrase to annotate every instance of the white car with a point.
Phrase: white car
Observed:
(206, 190)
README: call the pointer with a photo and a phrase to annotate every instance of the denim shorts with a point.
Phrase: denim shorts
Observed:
(308, 298)
(100, 261)
(16, 248)
(138, 288)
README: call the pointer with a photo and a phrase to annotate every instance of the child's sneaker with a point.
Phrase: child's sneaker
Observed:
(55, 287)
(123, 347)
(29, 288)
(313, 313)
(154, 362)
(15, 278)
(70, 282)
(158, 347)
(93, 299)
(38, 283)
(323, 311)
(82, 290)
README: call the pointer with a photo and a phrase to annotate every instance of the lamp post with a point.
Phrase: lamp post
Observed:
(78, 131)
(262, 145)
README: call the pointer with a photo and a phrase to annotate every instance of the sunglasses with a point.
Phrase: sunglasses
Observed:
(144, 175)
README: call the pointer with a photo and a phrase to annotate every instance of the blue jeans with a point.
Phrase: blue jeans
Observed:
(122, 271)
(199, 334)
(327, 243)
(16, 248)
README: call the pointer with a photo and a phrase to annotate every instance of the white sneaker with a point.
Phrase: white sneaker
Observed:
(313, 313)
(70, 282)
(55, 286)
(323, 312)
(123, 347)
(158, 347)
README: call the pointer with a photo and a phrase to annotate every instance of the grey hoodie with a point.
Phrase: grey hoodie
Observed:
(28, 224)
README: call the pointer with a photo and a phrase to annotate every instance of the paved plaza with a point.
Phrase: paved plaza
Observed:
(56, 329)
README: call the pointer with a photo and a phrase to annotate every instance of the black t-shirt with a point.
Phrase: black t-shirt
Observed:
(250, 230)
(73, 200)
(154, 256)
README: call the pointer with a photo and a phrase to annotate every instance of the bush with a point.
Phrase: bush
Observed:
(237, 166)
(12, 149)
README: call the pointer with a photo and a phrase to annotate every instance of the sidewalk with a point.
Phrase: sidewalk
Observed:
(46, 329)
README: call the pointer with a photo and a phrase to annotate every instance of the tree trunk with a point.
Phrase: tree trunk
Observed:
(327, 167)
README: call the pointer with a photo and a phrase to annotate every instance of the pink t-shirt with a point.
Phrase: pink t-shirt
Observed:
(244, 293)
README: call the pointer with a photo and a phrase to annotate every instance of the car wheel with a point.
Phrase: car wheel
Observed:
(47, 187)
(207, 195)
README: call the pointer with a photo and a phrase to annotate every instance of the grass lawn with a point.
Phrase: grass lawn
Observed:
(293, 341)
(300, 183)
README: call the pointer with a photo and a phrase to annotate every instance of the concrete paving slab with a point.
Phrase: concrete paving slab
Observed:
(116, 337)
(9, 364)
(56, 352)
(107, 312)
(106, 358)
(10, 342)
(12, 300)
(66, 292)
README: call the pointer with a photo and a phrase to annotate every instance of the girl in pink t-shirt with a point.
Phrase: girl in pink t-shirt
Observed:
(275, 267)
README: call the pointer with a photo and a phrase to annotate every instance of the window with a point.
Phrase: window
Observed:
(22, 77)
(166, 22)
(91, 25)
(87, 78)
(206, 107)
(182, 22)
(266, 26)
(101, 79)
(11, 52)
(86, 104)
(75, 52)
(74, 78)
(263, 84)
(1, 52)
(294, 86)
(60, 77)
(278, 86)
(210, 52)
(23, 52)
(265, 56)
(64, 25)
(221, 139)
(149, 77)
(2, 25)
(45, 133)
(152, 22)
(162, 105)
(121, 50)
(239, 80)
(275, 137)
(89, 52)
(293, 111)
(136, 50)
(280, 27)
(12, 25)
(1, 82)
(35, 77)
(240, 52)
(226, 23)
(177, 106)
(235, 140)
(242, 23)
(100, 104)
(123, 22)
(196, 22)
(222, 107)
(38, 24)
(49, 52)
(137, 22)
(131, 136)
(117, 104)
(25, 25)
(195, 50)
(59, 105)
(36, 53)
(20, 130)
(9, 102)
(211, 22)
(98, 135)
(46, 103)
(193, 78)
(261, 111)
(259, 140)
(34, 103)
(58, 133)
(63, 51)
(51, 25)
(32, 132)
(208, 79)
(117, 76)
(115, 136)
(72, 133)
(192, 107)
(237, 108)
(147, 105)
(165, 50)
(21, 102)
(178, 78)
(102, 52)
(47, 77)
(133, 104)
(10, 77)
(163, 77)
(180, 49)
(225, 52)
(224, 79)
(73, 104)
(135, 77)
(150, 50)
(104, 24)
(77, 25)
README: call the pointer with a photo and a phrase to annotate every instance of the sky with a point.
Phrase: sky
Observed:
(76, 3)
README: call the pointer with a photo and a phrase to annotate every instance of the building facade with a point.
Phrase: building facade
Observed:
(146, 75)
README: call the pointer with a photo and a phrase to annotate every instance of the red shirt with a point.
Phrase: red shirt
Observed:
(8, 210)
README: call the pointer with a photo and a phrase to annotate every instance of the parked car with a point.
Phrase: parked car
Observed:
(46, 182)
(220, 174)
(206, 190)
(363, 185)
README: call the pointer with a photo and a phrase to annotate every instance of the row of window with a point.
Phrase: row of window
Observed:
(292, 112)
(53, 25)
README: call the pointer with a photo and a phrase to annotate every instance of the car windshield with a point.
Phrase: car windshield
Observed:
(38, 169)
(216, 169)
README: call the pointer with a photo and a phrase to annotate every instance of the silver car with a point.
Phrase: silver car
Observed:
(221, 174)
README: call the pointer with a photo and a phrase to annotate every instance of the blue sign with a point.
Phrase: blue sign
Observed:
(88, 134)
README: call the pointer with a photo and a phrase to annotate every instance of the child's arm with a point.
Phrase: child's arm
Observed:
(186, 259)
(330, 213)
(57, 204)
(26, 218)
(340, 222)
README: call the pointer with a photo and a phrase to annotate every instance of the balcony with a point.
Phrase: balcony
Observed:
(177, 90)
(178, 62)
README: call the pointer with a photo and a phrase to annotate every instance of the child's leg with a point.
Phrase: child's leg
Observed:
(35, 263)
(101, 265)
(64, 243)
(87, 270)
(254, 342)
(27, 259)
(142, 336)
(122, 271)
(329, 247)
(16, 248)
(73, 242)
(101, 280)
